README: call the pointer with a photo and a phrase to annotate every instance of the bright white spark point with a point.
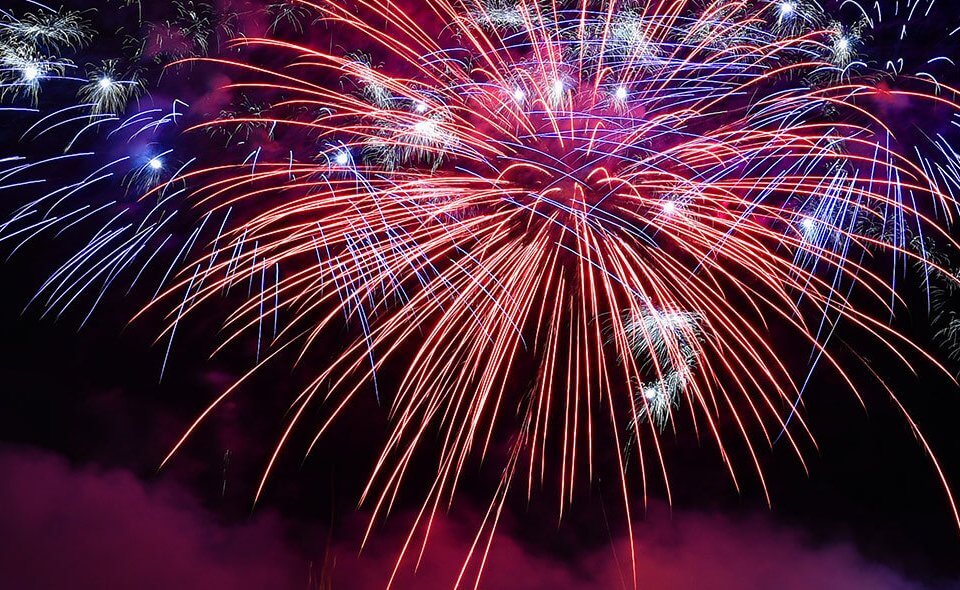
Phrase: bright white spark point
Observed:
(558, 88)
(808, 224)
(519, 95)
(105, 83)
(650, 393)
(621, 93)
(155, 163)
(787, 9)
(669, 207)
(843, 44)
(421, 107)
(343, 158)
(426, 128)
(31, 73)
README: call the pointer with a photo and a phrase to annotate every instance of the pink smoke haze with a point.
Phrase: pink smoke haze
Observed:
(84, 528)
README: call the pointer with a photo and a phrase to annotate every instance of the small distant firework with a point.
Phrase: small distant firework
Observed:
(196, 28)
(251, 117)
(289, 13)
(668, 345)
(845, 44)
(22, 73)
(109, 91)
(793, 17)
(503, 15)
(46, 30)
(939, 274)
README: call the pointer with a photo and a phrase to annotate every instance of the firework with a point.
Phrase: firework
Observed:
(196, 28)
(108, 91)
(622, 197)
(565, 226)
(290, 13)
(654, 337)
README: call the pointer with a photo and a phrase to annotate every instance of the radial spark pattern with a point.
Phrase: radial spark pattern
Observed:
(549, 227)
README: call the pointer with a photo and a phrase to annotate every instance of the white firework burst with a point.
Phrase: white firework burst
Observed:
(667, 344)
(108, 91)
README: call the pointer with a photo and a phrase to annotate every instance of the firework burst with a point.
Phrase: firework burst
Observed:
(611, 201)
(558, 227)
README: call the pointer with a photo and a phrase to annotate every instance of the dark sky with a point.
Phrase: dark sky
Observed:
(85, 422)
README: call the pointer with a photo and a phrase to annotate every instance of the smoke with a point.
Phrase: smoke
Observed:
(83, 527)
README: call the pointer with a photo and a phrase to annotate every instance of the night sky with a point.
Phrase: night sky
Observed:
(85, 421)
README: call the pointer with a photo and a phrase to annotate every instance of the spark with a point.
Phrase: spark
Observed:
(519, 267)
(474, 244)
(558, 88)
(426, 128)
